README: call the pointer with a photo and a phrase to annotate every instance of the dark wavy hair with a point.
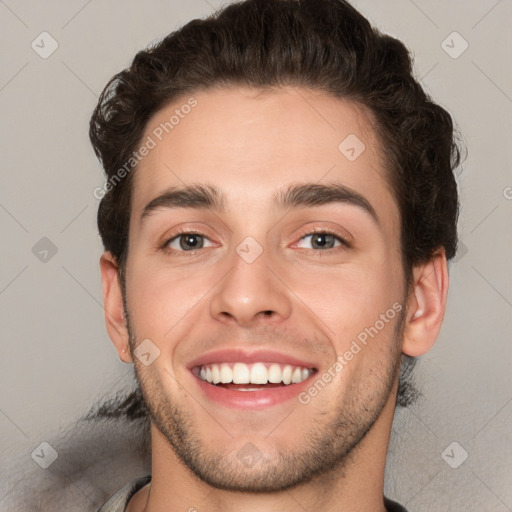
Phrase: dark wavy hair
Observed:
(324, 45)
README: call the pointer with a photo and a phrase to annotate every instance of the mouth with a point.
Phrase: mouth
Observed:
(237, 379)
(252, 377)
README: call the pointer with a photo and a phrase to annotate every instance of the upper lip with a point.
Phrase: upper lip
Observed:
(248, 357)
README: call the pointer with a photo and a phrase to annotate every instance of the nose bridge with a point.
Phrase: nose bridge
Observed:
(250, 289)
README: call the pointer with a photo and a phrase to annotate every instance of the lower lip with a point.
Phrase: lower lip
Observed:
(259, 399)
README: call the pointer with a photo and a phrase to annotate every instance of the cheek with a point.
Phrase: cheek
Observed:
(159, 299)
(351, 297)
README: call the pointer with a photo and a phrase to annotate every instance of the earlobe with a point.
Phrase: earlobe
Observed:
(426, 305)
(113, 306)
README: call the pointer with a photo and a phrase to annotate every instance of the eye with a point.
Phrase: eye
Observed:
(321, 241)
(188, 242)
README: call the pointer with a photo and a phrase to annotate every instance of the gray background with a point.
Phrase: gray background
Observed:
(56, 358)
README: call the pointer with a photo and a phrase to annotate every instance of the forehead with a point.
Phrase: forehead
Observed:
(251, 143)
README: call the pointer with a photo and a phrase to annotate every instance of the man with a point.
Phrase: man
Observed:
(278, 213)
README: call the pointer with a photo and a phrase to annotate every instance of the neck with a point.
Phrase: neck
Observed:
(355, 486)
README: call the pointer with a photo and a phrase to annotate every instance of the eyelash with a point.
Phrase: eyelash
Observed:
(343, 243)
(182, 232)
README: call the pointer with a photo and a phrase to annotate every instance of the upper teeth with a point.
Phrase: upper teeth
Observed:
(257, 373)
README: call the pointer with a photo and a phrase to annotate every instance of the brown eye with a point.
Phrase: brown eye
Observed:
(187, 242)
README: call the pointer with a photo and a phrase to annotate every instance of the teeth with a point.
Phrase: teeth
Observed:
(297, 375)
(241, 374)
(274, 374)
(215, 374)
(226, 374)
(287, 374)
(257, 373)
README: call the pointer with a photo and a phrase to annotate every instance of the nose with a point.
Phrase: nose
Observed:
(250, 294)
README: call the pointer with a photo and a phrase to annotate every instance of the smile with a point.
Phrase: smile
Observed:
(251, 380)
(258, 373)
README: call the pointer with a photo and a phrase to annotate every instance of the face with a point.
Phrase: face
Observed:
(264, 274)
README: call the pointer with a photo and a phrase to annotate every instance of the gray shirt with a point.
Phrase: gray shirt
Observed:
(121, 498)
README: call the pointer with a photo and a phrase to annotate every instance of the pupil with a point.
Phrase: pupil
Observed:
(322, 241)
(190, 241)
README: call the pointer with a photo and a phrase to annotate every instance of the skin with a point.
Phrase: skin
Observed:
(329, 454)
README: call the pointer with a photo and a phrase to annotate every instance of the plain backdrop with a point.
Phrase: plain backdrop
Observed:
(452, 450)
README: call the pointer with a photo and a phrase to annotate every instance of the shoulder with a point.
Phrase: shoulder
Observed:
(118, 502)
(392, 506)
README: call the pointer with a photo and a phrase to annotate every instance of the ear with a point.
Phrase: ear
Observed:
(113, 306)
(426, 305)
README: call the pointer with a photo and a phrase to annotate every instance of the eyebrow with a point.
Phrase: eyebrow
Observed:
(191, 196)
(294, 196)
(315, 194)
